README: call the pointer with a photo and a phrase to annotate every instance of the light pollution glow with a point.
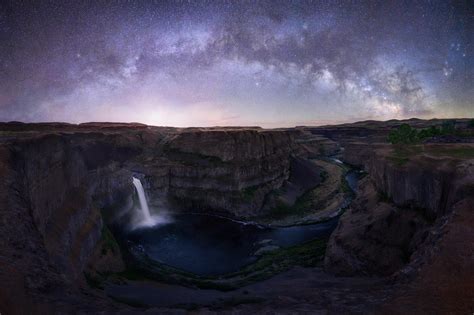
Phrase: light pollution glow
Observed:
(273, 64)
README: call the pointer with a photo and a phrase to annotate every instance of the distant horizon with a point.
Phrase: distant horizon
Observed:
(233, 126)
(276, 64)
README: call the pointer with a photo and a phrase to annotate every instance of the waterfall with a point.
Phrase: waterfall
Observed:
(145, 211)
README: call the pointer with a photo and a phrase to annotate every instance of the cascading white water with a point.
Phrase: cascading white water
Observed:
(142, 218)
(145, 211)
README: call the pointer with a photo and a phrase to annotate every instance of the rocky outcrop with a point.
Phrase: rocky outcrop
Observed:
(226, 171)
(233, 144)
(374, 237)
(62, 184)
(404, 196)
(412, 177)
(441, 270)
(49, 208)
(315, 145)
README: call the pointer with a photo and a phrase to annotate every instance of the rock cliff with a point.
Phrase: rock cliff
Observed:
(228, 171)
(53, 188)
(407, 192)
(62, 183)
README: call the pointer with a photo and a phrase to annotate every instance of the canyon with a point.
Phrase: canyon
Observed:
(404, 240)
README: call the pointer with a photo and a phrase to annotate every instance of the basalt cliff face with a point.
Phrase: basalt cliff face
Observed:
(398, 207)
(223, 171)
(52, 189)
(413, 203)
(427, 181)
(61, 184)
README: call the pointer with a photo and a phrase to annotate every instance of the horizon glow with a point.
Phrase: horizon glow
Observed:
(204, 63)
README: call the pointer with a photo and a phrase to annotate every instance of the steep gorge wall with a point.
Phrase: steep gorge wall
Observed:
(228, 171)
(51, 189)
(400, 206)
(54, 186)
(429, 183)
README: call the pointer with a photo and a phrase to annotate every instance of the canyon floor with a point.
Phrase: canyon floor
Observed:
(403, 241)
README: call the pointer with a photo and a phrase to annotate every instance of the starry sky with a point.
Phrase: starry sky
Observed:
(209, 63)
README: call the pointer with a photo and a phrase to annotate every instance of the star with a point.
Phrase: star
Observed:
(74, 61)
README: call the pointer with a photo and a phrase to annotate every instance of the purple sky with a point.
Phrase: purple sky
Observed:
(204, 63)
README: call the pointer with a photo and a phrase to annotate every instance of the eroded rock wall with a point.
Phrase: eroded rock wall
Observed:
(51, 191)
(373, 236)
(423, 182)
(399, 205)
(59, 188)
(228, 171)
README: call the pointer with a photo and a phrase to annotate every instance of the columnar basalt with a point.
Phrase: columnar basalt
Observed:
(402, 200)
(59, 188)
(228, 171)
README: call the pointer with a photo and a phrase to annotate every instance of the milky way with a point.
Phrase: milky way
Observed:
(201, 63)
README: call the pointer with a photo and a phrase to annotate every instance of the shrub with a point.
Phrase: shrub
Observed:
(429, 132)
(405, 134)
(448, 127)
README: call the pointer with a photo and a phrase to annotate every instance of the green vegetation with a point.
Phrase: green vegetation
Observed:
(402, 154)
(321, 151)
(462, 152)
(249, 192)
(345, 188)
(383, 197)
(429, 132)
(109, 243)
(283, 210)
(94, 281)
(271, 263)
(301, 206)
(305, 204)
(308, 254)
(188, 158)
(405, 134)
(323, 175)
(314, 201)
(448, 127)
(471, 123)
(399, 160)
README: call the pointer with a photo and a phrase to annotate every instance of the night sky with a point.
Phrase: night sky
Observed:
(267, 63)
